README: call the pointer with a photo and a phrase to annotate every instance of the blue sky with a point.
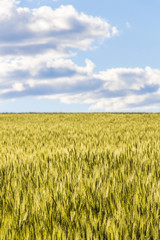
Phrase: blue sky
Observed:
(79, 56)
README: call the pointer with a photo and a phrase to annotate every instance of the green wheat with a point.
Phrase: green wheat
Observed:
(79, 176)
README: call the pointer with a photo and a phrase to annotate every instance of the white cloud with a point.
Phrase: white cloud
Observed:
(119, 89)
(123, 78)
(7, 9)
(27, 31)
(114, 31)
(36, 47)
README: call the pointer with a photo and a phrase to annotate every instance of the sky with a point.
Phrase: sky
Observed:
(79, 56)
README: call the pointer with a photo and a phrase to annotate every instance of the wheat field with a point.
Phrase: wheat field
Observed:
(79, 176)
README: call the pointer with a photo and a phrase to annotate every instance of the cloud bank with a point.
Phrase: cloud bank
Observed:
(27, 31)
(36, 59)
